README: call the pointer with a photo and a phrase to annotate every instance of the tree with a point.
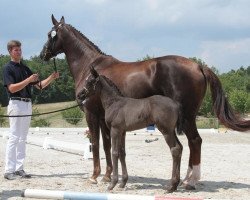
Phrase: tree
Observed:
(239, 100)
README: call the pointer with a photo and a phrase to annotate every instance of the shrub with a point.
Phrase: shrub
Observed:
(2, 119)
(73, 115)
(40, 123)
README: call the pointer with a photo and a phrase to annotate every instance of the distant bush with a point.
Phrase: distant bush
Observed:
(38, 122)
(3, 120)
(239, 100)
(73, 115)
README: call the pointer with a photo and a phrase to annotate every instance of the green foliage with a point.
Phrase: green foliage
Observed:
(38, 122)
(206, 108)
(73, 115)
(240, 100)
(147, 57)
(2, 119)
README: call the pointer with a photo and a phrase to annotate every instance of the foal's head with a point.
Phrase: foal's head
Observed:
(92, 85)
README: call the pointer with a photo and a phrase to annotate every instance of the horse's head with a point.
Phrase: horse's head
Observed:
(91, 85)
(53, 46)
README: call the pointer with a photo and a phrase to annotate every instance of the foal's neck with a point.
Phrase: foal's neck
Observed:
(109, 93)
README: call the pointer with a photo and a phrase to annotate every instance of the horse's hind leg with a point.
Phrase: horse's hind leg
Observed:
(176, 151)
(123, 161)
(194, 143)
(107, 148)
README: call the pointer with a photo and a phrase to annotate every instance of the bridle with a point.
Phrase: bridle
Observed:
(48, 51)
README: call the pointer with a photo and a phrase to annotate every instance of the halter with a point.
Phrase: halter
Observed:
(53, 35)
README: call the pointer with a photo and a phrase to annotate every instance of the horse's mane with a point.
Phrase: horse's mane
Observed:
(111, 83)
(86, 39)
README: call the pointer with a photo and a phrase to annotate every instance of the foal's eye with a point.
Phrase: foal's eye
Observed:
(53, 34)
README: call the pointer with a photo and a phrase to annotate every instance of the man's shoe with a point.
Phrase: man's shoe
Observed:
(23, 174)
(10, 176)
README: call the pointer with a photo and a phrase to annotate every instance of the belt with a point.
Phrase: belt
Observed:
(21, 99)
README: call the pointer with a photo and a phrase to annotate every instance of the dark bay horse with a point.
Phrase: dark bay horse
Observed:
(176, 77)
(127, 114)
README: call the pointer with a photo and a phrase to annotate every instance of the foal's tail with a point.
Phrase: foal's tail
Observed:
(221, 106)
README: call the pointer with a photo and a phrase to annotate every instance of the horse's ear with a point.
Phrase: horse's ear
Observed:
(94, 72)
(62, 20)
(54, 21)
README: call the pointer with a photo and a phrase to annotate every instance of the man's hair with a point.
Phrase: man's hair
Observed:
(13, 43)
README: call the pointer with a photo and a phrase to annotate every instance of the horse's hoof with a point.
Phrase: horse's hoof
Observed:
(92, 181)
(170, 189)
(106, 179)
(110, 187)
(189, 187)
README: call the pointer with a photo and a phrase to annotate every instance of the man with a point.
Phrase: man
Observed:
(18, 80)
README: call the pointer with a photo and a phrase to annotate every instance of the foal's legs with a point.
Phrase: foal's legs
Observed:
(176, 151)
(194, 143)
(123, 161)
(116, 140)
(107, 147)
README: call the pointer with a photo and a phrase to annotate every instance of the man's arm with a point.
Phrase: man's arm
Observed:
(15, 87)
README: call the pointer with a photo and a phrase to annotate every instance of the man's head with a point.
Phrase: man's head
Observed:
(15, 51)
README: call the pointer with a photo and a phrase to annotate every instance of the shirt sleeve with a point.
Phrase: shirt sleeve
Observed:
(8, 76)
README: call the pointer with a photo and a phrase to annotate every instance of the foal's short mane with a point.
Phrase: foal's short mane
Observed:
(91, 43)
(111, 83)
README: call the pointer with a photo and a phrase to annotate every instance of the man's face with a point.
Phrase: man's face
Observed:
(16, 54)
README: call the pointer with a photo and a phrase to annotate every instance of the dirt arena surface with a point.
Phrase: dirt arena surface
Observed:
(225, 169)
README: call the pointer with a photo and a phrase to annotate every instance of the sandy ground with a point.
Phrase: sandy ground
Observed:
(225, 167)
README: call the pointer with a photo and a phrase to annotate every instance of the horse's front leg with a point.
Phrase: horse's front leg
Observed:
(107, 148)
(115, 138)
(194, 143)
(123, 161)
(93, 124)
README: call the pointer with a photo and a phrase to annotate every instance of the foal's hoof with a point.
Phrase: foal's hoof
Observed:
(187, 186)
(92, 181)
(122, 185)
(106, 179)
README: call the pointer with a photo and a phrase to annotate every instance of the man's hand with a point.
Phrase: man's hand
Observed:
(54, 75)
(33, 78)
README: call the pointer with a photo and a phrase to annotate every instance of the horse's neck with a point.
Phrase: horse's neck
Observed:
(108, 94)
(80, 55)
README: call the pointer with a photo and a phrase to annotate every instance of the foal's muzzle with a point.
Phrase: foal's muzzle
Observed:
(83, 94)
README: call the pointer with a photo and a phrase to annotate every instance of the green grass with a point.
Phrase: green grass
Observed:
(55, 119)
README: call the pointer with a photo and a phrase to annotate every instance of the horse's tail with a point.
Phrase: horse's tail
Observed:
(221, 106)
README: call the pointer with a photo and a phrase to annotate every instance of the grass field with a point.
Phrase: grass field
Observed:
(56, 119)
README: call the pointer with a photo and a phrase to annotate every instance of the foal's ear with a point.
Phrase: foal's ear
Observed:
(94, 72)
(54, 21)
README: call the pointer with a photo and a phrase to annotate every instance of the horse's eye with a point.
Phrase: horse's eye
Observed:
(53, 34)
